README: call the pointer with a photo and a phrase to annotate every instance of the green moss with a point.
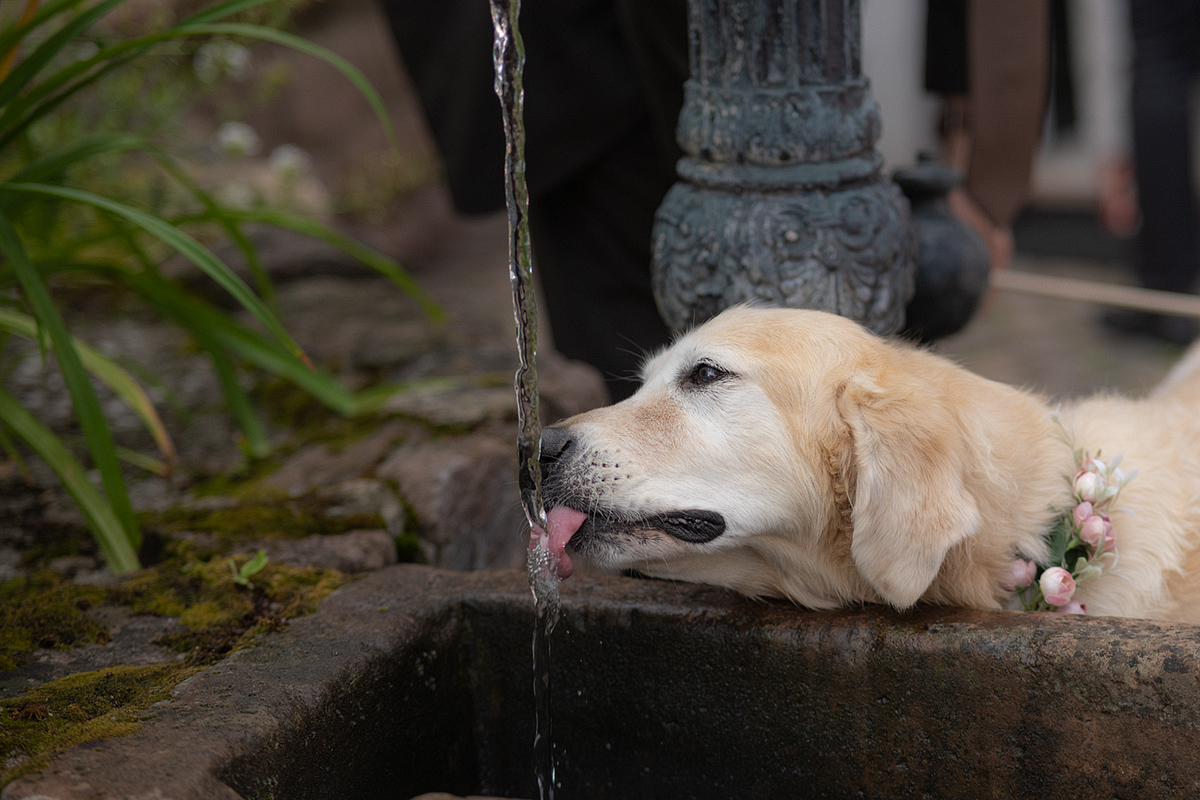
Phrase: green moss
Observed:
(79, 708)
(408, 548)
(54, 541)
(263, 517)
(43, 612)
(308, 419)
(217, 614)
(237, 482)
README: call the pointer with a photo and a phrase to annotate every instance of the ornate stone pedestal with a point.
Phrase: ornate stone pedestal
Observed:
(780, 201)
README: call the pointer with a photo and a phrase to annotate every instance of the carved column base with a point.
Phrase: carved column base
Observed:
(848, 250)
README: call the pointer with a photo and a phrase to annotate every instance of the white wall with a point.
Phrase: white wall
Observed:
(894, 60)
(1065, 171)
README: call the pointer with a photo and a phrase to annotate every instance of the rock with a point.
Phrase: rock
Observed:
(202, 541)
(61, 510)
(11, 564)
(464, 493)
(212, 502)
(568, 387)
(565, 388)
(70, 566)
(132, 642)
(355, 551)
(364, 323)
(152, 494)
(319, 465)
(364, 496)
(461, 405)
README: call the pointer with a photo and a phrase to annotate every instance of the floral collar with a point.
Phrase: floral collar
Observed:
(1082, 545)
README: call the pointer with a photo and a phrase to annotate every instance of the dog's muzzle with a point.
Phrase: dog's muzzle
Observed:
(695, 526)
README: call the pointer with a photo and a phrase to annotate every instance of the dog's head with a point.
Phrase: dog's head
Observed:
(778, 452)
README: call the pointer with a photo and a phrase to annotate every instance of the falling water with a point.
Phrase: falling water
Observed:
(509, 59)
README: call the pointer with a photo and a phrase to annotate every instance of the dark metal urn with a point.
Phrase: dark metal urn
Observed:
(952, 260)
(780, 200)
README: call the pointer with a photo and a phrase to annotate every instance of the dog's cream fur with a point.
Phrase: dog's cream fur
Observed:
(849, 469)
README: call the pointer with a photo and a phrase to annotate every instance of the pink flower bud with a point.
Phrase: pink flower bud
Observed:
(1082, 512)
(1095, 530)
(1020, 574)
(1073, 607)
(1057, 586)
(1089, 486)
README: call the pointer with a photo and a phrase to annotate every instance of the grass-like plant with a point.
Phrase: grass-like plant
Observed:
(57, 226)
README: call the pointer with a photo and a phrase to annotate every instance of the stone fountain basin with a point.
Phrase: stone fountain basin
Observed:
(415, 680)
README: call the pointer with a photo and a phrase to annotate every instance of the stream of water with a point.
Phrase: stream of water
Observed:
(509, 58)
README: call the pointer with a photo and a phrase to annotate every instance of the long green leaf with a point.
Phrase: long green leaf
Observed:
(226, 220)
(143, 461)
(221, 10)
(112, 374)
(12, 37)
(239, 403)
(83, 394)
(22, 112)
(182, 243)
(293, 42)
(110, 535)
(47, 50)
(385, 266)
(41, 99)
(18, 112)
(204, 320)
(200, 319)
(90, 147)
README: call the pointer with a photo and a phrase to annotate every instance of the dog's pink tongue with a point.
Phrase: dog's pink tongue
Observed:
(561, 525)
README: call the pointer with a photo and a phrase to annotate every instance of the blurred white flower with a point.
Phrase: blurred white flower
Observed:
(219, 59)
(289, 162)
(238, 139)
(237, 194)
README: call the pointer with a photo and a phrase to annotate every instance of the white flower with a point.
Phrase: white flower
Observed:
(1089, 486)
(238, 139)
(237, 194)
(289, 162)
(1057, 586)
(215, 60)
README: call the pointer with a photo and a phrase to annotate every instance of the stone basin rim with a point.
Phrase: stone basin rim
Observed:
(230, 710)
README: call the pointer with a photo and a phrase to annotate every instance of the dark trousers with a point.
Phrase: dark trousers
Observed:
(591, 250)
(1166, 50)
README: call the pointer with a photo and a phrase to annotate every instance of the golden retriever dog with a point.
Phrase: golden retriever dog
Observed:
(793, 454)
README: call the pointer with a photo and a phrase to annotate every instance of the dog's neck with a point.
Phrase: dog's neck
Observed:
(1020, 484)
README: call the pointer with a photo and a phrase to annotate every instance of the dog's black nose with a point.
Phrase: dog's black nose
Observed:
(555, 442)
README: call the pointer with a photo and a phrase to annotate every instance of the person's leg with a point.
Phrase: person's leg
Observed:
(591, 248)
(1165, 49)
(1168, 246)
(1007, 55)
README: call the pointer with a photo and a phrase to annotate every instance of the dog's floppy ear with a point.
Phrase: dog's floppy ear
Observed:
(910, 505)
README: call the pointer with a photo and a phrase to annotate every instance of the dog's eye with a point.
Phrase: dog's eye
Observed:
(705, 374)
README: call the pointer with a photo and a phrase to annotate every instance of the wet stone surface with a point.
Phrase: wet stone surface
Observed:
(405, 683)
